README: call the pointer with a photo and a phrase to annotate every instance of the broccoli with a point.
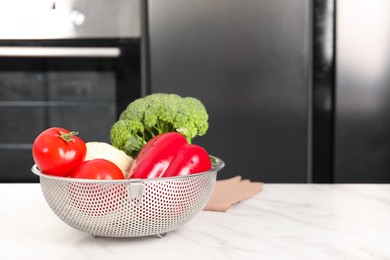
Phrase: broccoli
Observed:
(155, 114)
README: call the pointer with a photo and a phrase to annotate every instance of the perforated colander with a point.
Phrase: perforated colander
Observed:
(129, 208)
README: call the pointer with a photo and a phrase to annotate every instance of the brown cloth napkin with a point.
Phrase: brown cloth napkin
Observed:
(231, 191)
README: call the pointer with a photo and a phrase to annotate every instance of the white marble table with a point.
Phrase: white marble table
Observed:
(284, 221)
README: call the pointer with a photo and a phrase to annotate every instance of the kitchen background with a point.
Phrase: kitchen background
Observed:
(297, 90)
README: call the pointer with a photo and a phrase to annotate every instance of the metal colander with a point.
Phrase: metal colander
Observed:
(129, 208)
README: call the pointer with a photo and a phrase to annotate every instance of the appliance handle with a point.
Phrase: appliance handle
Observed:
(60, 52)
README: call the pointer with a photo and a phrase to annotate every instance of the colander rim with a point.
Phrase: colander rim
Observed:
(217, 165)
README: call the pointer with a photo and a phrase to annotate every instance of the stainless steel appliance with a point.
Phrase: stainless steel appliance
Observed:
(249, 62)
(298, 91)
(73, 64)
(362, 92)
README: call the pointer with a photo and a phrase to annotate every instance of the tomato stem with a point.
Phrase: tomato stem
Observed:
(68, 137)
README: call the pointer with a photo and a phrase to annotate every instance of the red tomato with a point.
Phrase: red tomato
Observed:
(57, 151)
(100, 169)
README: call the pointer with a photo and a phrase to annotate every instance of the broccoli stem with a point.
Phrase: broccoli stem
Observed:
(150, 133)
(164, 127)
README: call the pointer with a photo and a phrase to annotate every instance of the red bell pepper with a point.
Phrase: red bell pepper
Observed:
(167, 155)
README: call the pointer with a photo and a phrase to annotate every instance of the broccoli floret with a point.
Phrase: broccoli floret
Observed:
(155, 114)
(128, 136)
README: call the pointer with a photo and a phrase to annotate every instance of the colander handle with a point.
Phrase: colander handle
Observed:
(135, 190)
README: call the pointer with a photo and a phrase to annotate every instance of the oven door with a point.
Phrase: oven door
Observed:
(80, 85)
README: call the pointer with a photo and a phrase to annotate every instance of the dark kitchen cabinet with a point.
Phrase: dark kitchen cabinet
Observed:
(249, 62)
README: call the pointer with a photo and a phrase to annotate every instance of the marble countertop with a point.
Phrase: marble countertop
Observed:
(284, 221)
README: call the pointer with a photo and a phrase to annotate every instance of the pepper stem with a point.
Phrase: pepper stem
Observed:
(68, 137)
